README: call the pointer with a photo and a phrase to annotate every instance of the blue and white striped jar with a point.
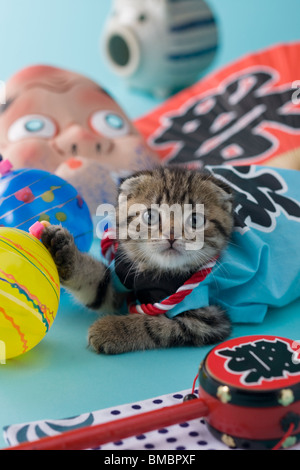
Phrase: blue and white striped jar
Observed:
(160, 45)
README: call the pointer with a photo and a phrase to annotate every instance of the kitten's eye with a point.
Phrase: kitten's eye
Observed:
(32, 125)
(196, 221)
(151, 217)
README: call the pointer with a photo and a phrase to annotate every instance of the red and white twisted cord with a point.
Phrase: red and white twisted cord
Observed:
(170, 302)
(109, 247)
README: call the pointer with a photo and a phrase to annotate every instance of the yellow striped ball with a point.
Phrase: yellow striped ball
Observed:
(29, 292)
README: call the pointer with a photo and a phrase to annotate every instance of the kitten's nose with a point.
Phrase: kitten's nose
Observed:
(171, 237)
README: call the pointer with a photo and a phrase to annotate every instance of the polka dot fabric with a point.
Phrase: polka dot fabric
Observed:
(190, 435)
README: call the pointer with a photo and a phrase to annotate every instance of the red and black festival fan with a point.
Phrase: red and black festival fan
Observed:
(246, 113)
(249, 395)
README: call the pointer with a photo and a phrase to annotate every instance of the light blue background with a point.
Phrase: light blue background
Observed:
(61, 377)
(66, 33)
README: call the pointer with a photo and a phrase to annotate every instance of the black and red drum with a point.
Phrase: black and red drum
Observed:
(251, 387)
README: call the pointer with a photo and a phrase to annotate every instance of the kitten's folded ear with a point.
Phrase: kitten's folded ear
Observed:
(129, 185)
(224, 191)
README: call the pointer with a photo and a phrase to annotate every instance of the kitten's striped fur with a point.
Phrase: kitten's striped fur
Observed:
(89, 279)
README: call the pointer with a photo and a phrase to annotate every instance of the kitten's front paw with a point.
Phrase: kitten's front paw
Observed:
(108, 336)
(60, 244)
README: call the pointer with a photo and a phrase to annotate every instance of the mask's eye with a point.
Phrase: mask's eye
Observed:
(32, 126)
(196, 221)
(151, 217)
(142, 17)
(109, 124)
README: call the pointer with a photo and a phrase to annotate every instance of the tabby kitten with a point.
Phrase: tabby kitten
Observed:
(152, 268)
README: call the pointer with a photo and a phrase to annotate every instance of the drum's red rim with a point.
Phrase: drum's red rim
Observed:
(250, 444)
(250, 422)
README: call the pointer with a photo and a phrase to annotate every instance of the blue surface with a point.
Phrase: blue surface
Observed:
(61, 377)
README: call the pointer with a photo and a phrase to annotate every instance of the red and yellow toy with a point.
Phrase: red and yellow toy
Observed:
(29, 291)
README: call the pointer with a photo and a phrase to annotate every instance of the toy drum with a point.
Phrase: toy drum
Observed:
(249, 396)
(251, 387)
